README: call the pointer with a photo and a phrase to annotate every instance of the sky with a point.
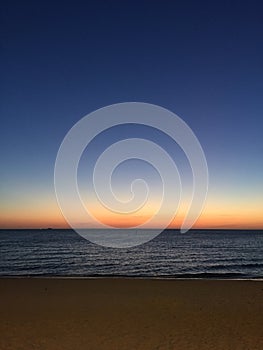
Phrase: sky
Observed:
(62, 60)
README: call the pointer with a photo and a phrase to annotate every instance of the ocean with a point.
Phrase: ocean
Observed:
(221, 254)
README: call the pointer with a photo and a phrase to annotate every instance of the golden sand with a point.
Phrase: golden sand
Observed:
(119, 314)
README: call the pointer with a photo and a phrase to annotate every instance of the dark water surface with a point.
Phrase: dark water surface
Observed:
(197, 254)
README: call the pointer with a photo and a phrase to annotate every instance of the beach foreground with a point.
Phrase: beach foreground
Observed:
(100, 314)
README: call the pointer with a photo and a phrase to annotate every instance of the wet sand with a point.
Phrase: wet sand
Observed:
(112, 314)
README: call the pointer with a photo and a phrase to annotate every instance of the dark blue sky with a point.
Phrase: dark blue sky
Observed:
(62, 60)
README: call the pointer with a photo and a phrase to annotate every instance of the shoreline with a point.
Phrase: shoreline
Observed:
(147, 278)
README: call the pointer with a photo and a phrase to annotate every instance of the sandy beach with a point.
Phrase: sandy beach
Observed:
(98, 314)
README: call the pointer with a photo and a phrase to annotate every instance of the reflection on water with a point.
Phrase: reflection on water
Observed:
(198, 253)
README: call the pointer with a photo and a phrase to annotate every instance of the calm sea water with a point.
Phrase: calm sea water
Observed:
(196, 254)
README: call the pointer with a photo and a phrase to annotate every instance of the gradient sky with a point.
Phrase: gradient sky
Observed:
(202, 60)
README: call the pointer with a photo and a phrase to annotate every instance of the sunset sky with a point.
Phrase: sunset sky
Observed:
(201, 60)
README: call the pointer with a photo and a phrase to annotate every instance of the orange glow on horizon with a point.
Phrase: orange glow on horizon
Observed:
(54, 219)
(217, 214)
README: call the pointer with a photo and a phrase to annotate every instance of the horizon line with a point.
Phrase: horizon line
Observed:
(129, 228)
